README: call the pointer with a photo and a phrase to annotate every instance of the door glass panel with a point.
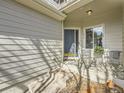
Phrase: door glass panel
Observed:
(70, 43)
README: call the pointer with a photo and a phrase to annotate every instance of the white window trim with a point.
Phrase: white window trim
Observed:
(84, 33)
(79, 39)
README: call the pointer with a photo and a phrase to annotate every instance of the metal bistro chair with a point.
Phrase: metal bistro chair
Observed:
(115, 57)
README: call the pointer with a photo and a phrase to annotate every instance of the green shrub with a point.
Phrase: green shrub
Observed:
(99, 50)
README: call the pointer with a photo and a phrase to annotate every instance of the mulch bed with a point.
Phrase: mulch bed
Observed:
(72, 86)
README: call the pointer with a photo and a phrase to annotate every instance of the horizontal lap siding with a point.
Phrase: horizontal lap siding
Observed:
(113, 35)
(29, 43)
(123, 31)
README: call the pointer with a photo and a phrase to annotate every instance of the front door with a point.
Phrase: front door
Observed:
(70, 43)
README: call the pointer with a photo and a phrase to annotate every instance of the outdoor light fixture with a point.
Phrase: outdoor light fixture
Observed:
(89, 12)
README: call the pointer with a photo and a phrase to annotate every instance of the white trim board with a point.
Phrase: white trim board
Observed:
(43, 8)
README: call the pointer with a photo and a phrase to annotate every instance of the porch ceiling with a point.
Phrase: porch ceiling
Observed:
(99, 7)
(76, 5)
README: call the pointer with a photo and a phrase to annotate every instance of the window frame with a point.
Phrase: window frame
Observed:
(84, 33)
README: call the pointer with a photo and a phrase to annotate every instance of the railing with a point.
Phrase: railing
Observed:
(108, 56)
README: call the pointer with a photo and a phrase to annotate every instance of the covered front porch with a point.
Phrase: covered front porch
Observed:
(93, 35)
(61, 46)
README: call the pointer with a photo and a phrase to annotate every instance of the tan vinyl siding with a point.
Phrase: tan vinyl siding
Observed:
(123, 30)
(29, 43)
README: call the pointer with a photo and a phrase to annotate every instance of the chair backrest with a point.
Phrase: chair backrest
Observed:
(115, 54)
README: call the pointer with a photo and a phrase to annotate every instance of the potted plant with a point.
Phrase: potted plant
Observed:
(98, 51)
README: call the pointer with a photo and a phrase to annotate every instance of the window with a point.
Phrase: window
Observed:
(89, 38)
(94, 37)
(59, 1)
(60, 4)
